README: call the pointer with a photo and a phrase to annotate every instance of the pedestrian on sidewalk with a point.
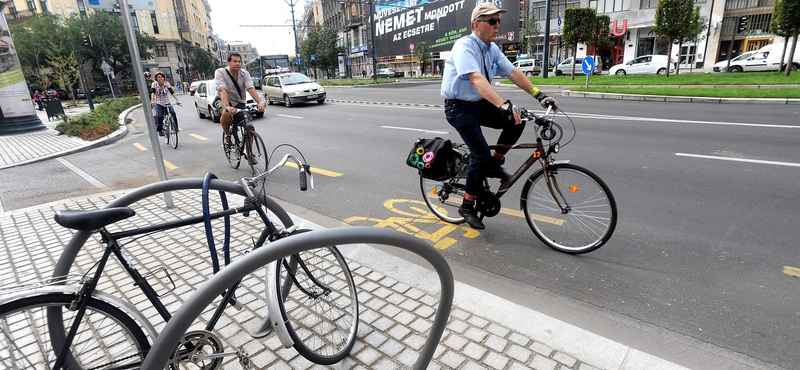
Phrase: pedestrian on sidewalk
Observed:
(37, 97)
(178, 85)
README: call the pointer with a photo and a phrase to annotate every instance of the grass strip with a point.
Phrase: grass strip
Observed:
(778, 92)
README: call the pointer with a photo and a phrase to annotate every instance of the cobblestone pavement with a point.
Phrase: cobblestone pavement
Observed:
(397, 298)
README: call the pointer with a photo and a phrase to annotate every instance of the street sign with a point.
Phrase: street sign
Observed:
(313, 57)
(588, 65)
(114, 4)
(411, 47)
(559, 21)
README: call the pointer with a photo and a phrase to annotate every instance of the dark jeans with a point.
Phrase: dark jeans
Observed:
(160, 114)
(467, 118)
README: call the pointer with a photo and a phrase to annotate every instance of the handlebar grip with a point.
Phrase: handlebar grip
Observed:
(303, 181)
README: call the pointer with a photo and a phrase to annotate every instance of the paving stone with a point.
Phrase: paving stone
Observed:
(474, 351)
(543, 363)
(564, 359)
(495, 360)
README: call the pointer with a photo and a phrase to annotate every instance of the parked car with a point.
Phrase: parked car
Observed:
(79, 94)
(193, 87)
(723, 65)
(100, 91)
(387, 73)
(292, 88)
(645, 64)
(765, 59)
(531, 67)
(565, 67)
(206, 101)
(51, 93)
(62, 94)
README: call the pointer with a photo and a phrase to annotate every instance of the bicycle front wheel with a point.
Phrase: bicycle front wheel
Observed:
(173, 134)
(443, 198)
(167, 127)
(232, 152)
(587, 216)
(320, 307)
(257, 154)
(106, 337)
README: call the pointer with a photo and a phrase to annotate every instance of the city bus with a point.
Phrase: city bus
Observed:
(265, 65)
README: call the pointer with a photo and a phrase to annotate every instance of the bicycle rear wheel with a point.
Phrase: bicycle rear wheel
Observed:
(257, 154)
(106, 337)
(233, 152)
(590, 211)
(173, 134)
(320, 306)
(444, 197)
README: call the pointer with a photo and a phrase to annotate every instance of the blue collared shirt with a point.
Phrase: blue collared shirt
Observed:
(470, 54)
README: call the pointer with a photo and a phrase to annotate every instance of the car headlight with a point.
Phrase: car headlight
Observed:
(298, 93)
(321, 89)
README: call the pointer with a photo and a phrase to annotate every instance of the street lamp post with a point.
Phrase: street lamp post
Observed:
(372, 38)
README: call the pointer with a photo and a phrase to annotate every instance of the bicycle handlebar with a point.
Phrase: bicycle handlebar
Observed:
(249, 183)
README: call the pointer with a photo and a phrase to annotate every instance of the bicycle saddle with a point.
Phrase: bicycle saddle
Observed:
(92, 220)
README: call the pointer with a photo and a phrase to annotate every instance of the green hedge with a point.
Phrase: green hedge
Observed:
(100, 122)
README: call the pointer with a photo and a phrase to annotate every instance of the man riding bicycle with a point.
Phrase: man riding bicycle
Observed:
(230, 82)
(160, 91)
(472, 102)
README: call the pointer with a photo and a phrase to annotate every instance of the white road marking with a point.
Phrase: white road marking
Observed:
(89, 178)
(416, 129)
(288, 116)
(776, 163)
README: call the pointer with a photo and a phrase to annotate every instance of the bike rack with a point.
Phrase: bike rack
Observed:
(205, 295)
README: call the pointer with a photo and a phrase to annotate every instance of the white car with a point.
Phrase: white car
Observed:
(206, 101)
(723, 65)
(645, 64)
(292, 88)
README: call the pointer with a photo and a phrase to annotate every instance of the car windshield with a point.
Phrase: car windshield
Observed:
(295, 79)
(745, 55)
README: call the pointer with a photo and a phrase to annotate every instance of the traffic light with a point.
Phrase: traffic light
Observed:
(742, 23)
(87, 41)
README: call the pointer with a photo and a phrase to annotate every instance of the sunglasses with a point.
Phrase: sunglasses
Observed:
(491, 21)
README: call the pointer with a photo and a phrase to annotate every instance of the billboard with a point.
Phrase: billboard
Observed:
(439, 23)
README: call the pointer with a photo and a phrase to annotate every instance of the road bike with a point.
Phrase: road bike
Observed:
(245, 141)
(170, 127)
(67, 323)
(568, 207)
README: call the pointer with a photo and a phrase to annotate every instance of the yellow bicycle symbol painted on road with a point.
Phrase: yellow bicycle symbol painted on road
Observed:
(416, 212)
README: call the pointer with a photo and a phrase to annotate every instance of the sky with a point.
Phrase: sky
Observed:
(228, 15)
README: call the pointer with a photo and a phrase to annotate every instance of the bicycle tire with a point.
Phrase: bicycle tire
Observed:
(592, 211)
(173, 132)
(323, 325)
(443, 198)
(232, 152)
(258, 151)
(107, 336)
(166, 126)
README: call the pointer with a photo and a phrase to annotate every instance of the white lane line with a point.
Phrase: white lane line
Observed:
(776, 163)
(89, 178)
(416, 129)
(288, 116)
(654, 120)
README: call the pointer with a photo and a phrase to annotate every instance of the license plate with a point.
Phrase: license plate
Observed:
(312, 97)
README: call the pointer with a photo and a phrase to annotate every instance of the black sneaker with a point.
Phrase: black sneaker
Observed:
(472, 218)
(161, 133)
(497, 171)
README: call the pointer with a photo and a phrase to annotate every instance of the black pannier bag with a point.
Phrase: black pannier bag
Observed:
(433, 158)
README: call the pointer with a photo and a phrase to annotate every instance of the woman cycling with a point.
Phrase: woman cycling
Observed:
(159, 98)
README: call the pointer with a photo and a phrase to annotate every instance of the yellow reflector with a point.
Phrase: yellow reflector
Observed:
(573, 188)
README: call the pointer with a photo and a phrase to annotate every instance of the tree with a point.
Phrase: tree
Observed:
(530, 35)
(579, 25)
(64, 70)
(322, 43)
(790, 19)
(779, 28)
(678, 21)
(423, 54)
(37, 38)
(602, 27)
(201, 62)
(115, 40)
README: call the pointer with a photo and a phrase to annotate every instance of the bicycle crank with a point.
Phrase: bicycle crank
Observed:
(487, 204)
(200, 348)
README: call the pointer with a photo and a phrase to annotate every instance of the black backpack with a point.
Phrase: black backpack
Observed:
(433, 158)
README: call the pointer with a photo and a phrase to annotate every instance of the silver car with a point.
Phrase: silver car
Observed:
(292, 88)
(565, 67)
(206, 101)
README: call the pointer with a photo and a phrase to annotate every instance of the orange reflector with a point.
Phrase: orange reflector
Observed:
(433, 190)
(573, 188)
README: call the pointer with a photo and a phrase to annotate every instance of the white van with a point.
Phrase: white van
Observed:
(765, 59)
(530, 67)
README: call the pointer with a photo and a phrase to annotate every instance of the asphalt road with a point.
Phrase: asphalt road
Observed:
(704, 255)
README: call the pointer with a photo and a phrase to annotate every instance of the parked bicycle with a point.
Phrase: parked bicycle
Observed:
(568, 207)
(245, 141)
(67, 323)
(170, 127)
